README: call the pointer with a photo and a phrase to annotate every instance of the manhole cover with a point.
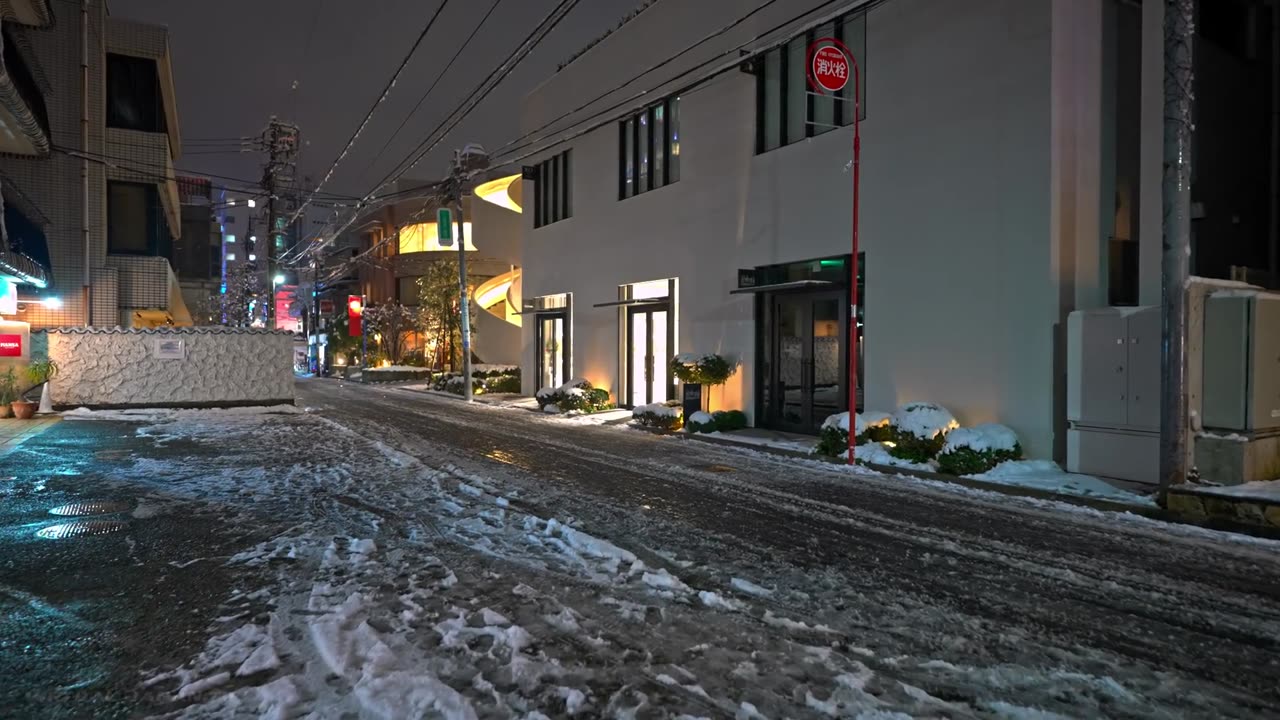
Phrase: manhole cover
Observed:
(81, 528)
(90, 507)
(718, 468)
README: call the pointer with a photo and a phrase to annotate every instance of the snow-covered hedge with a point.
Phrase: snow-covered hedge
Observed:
(970, 451)
(661, 417)
(503, 379)
(718, 421)
(577, 395)
(833, 439)
(704, 369)
(918, 431)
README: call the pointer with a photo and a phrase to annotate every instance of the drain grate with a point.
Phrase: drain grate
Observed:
(81, 528)
(90, 507)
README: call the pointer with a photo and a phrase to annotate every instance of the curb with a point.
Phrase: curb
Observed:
(1259, 522)
(1204, 504)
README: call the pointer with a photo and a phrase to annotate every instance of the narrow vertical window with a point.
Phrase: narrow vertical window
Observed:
(797, 91)
(660, 146)
(673, 128)
(629, 152)
(642, 182)
(566, 183)
(772, 100)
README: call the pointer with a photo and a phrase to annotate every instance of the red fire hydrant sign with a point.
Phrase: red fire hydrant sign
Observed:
(830, 69)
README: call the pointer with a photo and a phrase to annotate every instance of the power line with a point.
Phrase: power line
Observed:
(659, 66)
(478, 94)
(500, 73)
(386, 91)
(156, 171)
(723, 68)
(435, 82)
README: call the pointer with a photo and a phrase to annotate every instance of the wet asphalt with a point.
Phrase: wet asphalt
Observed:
(83, 618)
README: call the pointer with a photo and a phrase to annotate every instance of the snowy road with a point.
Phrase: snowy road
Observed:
(394, 554)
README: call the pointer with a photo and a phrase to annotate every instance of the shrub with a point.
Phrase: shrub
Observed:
(833, 438)
(701, 422)
(917, 431)
(709, 369)
(975, 450)
(729, 420)
(660, 417)
(505, 384)
(576, 395)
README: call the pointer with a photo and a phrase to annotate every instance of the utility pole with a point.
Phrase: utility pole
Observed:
(1179, 98)
(282, 155)
(463, 300)
(471, 159)
(86, 292)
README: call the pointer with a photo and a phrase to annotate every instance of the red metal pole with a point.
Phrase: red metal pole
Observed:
(853, 280)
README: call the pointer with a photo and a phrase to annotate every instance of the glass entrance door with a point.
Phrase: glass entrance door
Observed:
(806, 374)
(553, 360)
(648, 371)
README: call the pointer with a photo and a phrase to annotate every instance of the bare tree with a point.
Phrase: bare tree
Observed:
(393, 322)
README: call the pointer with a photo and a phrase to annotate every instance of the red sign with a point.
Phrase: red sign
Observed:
(326, 307)
(829, 68)
(10, 346)
(355, 313)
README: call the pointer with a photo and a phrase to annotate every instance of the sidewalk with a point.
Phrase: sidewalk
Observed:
(15, 432)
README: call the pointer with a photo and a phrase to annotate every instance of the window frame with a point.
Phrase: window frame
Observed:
(638, 148)
(552, 190)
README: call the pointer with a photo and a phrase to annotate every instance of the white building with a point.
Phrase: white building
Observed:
(1010, 175)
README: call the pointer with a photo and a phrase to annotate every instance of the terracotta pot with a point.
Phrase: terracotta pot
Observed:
(23, 410)
(5, 411)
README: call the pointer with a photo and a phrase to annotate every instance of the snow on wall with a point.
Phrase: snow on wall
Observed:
(122, 368)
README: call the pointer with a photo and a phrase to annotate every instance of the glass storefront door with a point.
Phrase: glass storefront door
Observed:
(648, 373)
(805, 371)
(553, 360)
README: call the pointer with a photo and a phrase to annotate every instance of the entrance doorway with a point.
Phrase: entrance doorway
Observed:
(553, 355)
(647, 353)
(805, 373)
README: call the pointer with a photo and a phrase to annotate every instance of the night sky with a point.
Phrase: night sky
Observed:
(236, 61)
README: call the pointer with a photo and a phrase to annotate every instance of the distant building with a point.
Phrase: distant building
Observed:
(110, 266)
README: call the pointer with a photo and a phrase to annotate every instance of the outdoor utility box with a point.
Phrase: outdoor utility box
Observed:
(1242, 361)
(1113, 393)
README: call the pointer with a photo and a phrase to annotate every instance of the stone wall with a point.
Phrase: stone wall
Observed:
(172, 367)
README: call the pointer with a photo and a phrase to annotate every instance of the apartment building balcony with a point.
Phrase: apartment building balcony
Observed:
(24, 119)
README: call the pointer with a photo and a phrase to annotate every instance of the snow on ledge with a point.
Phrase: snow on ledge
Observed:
(152, 414)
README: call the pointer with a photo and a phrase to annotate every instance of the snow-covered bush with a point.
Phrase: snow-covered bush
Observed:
(577, 395)
(970, 451)
(700, 422)
(718, 421)
(833, 438)
(729, 420)
(918, 431)
(660, 417)
(705, 369)
(504, 384)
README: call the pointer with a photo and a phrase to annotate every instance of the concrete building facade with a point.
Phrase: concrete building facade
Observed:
(700, 201)
(108, 266)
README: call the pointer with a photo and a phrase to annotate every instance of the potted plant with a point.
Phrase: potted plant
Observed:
(8, 391)
(38, 373)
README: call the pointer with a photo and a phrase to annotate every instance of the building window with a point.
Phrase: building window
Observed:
(407, 291)
(787, 110)
(133, 94)
(551, 202)
(136, 223)
(649, 149)
(231, 257)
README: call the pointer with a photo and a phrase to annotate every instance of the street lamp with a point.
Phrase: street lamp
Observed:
(53, 303)
(278, 279)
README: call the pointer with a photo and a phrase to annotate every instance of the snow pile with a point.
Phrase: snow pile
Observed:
(169, 414)
(924, 420)
(549, 392)
(701, 418)
(1046, 475)
(880, 453)
(398, 368)
(862, 422)
(980, 438)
